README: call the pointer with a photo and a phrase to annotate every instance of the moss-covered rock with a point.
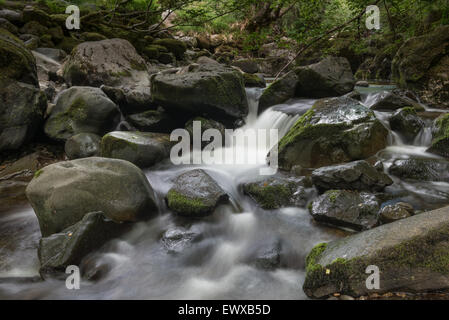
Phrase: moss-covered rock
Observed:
(34, 28)
(279, 192)
(81, 110)
(333, 131)
(30, 13)
(247, 65)
(195, 194)
(63, 193)
(440, 142)
(112, 62)
(412, 256)
(92, 36)
(68, 44)
(279, 91)
(407, 122)
(177, 47)
(254, 80)
(130, 100)
(396, 99)
(144, 149)
(208, 90)
(422, 64)
(153, 51)
(16, 61)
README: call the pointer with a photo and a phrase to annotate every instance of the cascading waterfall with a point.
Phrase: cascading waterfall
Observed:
(219, 263)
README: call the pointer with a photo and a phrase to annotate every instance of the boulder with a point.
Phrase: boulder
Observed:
(246, 65)
(17, 62)
(130, 100)
(5, 24)
(407, 122)
(62, 194)
(422, 65)
(279, 91)
(394, 100)
(440, 132)
(195, 194)
(21, 115)
(268, 255)
(177, 47)
(209, 90)
(154, 121)
(411, 255)
(357, 175)
(112, 62)
(333, 131)
(346, 209)
(328, 78)
(279, 192)
(144, 149)
(421, 169)
(60, 250)
(254, 80)
(82, 110)
(82, 145)
(12, 16)
(394, 212)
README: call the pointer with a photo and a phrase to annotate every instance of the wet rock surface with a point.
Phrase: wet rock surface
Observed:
(200, 199)
(358, 175)
(421, 169)
(347, 209)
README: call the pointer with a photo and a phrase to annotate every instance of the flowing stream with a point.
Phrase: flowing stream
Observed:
(219, 262)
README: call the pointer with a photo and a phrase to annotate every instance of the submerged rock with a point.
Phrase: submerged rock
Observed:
(176, 240)
(407, 122)
(268, 255)
(279, 192)
(62, 193)
(440, 131)
(195, 194)
(144, 149)
(111, 62)
(333, 131)
(82, 110)
(398, 211)
(358, 175)
(347, 209)
(82, 145)
(421, 169)
(411, 255)
(70, 246)
(209, 90)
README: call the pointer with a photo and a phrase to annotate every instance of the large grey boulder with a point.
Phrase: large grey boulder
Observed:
(60, 250)
(82, 110)
(411, 255)
(346, 209)
(209, 90)
(144, 149)
(333, 131)
(195, 194)
(112, 62)
(357, 175)
(396, 99)
(62, 193)
(330, 77)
